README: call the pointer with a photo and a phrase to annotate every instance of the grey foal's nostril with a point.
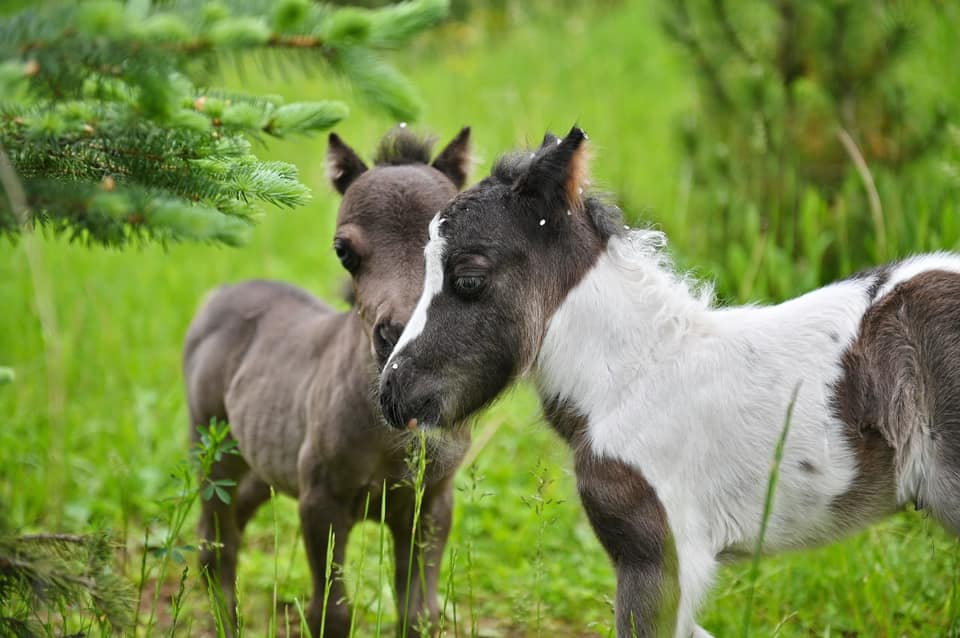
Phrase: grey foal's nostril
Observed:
(385, 337)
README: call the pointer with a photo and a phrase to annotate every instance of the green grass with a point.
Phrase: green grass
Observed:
(105, 458)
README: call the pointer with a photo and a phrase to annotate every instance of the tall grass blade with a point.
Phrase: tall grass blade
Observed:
(276, 563)
(381, 557)
(449, 596)
(327, 580)
(953, 618)
(418, 487)
(218, 607)
(304, 627)
(356, 589)
(178, 601)
(767, 510)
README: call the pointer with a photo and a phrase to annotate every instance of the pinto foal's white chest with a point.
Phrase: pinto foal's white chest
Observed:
(695, 399)
(702, 426)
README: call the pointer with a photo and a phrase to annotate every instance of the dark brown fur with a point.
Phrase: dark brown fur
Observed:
(582, 234)
(294, 380)
(512, 247)
(631, 524)
(901, 389)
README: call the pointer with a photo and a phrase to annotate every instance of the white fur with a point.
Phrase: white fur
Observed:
(912, 267)
(695, 398)
(432, 285)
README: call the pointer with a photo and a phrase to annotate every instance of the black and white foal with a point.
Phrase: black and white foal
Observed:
(673, 406)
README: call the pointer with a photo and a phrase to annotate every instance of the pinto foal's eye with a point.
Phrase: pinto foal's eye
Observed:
(345, 253)
(470, 285)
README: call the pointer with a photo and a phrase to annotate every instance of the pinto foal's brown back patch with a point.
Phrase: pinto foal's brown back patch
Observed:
(901, 380)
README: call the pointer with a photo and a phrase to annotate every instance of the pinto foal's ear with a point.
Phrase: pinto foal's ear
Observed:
(559, 170)
(343, 164)
(454, 160)
(549, 140)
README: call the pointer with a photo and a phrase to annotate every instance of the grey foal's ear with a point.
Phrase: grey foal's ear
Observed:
(454, 160)
(343, 164)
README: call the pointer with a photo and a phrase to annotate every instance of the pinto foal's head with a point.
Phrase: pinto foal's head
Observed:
(382, 223)
(501, 258)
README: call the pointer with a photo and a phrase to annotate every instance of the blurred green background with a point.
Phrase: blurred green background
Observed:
(89, 438)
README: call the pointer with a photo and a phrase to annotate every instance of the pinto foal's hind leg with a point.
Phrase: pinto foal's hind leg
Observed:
(934, 451)
(940, 492)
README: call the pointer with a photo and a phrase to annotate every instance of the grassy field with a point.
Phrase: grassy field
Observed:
(94, 428)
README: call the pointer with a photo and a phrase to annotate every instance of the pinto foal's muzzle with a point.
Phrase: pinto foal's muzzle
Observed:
(407, 400)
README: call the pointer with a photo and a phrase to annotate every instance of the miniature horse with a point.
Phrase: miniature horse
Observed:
(296, 382)
(673, 407)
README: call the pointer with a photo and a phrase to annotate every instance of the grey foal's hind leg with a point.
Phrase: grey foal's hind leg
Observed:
(252, 492)
(220, 534)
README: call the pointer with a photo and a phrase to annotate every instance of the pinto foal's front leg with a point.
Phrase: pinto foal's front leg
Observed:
(632, 525)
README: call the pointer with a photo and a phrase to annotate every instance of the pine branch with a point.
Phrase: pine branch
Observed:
(73, 40)
(47, 571)
(115, 217)
(108, 121)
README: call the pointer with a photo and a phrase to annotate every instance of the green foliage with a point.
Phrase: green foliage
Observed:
(109, 120)
(43, 575)
(803, 102)
(192, 481)
(773, 479)
(126, 425)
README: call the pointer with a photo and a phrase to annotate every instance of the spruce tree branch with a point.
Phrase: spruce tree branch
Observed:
(8, 564)
(114, 141)
(47, 314)
(275, 41)
(190, 47)
(13, 189)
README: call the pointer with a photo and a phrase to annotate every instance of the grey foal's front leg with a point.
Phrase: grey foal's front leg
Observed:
(417, 603)
(321, 515)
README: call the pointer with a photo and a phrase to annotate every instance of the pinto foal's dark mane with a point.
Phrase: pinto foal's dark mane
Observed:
(606, 217)
(402, 146)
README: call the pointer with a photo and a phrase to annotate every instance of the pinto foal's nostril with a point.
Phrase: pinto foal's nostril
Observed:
(389, 401)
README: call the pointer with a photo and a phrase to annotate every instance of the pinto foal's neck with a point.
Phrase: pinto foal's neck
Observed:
(628, 315)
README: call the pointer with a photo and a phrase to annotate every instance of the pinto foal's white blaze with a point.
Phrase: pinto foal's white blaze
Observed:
(674, 406)
(432, 284)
